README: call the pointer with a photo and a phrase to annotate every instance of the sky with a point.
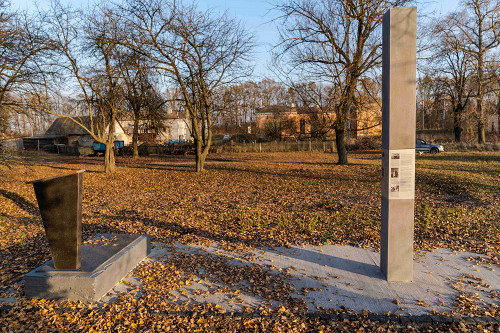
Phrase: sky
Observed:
(257, 16)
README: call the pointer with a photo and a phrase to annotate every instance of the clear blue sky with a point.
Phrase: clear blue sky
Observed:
(255, 15)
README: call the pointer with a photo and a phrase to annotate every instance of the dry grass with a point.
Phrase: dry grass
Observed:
(262, 199)
(248, 200)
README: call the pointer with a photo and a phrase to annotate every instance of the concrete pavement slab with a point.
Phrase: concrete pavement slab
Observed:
(330, 277)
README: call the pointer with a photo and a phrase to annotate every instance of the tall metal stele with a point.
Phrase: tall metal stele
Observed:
(399, 30)
(60, 202)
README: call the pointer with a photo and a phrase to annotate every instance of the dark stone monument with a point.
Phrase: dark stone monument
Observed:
(83, 273)
(60, 202)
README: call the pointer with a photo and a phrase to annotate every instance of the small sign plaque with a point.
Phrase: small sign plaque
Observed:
(398, 170)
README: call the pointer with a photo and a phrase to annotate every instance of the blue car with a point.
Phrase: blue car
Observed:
(422, 146)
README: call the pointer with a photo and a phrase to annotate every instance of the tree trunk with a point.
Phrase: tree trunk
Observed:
(354, 122)
(340, 125)
(109, 157)
(201, 155)
(341, 150)
(457, 126)
(200, 164)
(135, 137)
(481, 137)
(498, 113)
(458, 133)
(200, 158)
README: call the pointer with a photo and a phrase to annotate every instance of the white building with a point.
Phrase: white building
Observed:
(120, 134)
(72, 134)
(176, 128)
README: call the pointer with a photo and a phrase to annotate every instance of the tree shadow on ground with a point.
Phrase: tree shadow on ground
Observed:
(369, 269)
(171, 232)
(437, 184)
(333, 164)
(165, 167)
(461, 157)
(292, 174)
(161, 163)
(455, 168)
(70, 169)
(21, 202)
(20, 258)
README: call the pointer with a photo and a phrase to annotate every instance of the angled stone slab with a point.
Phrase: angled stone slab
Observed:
(106, 259)
(60, 201)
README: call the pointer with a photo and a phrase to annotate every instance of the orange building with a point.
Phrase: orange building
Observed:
(305, 122)
(292, 122)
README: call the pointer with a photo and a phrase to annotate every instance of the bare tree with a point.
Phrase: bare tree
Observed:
(88, 55)
(22, 46)
(231, 100)
(477, 29)
(334, 41)
(455, 70)
(241, 100)
(141, 93)
(498, 113)
(321, 100)
(197, 51)
(272, 93)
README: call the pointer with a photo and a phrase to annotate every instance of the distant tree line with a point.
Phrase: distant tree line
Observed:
(460, 74)
(137, 58)
(243, 101)
(114, 59)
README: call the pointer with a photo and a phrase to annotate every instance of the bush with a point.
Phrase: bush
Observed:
(466, 147)
(366, 142)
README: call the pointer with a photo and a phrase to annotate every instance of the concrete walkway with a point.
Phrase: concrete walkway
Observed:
(331, 277)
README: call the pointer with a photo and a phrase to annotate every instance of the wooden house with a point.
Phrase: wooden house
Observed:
(65, 132)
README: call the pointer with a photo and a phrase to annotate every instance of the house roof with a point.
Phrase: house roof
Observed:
(42, 137)
(176, 115)
(67, 126)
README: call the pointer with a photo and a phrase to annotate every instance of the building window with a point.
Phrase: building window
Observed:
(302, 126)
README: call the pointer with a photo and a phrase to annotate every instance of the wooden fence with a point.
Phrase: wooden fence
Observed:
(277, 146)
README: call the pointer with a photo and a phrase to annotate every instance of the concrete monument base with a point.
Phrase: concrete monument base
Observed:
(106, 259)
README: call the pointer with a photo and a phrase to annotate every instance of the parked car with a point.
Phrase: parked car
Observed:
(422, 146)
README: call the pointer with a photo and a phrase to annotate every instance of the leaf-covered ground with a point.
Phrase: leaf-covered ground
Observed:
(241, 202)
